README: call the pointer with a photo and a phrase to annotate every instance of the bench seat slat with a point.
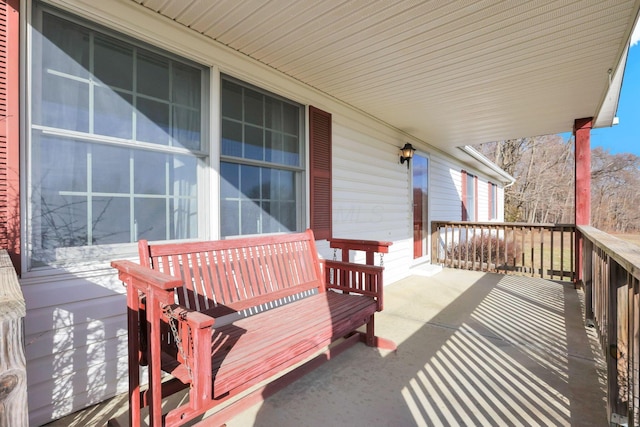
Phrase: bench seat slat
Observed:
(263, 331)
(261, 343)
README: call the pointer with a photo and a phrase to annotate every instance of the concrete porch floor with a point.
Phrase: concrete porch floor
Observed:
(473, 349)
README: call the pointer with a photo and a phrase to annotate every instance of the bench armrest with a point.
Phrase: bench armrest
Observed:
(354, 278)
(194, 319)
(149, 282)
(139, 275)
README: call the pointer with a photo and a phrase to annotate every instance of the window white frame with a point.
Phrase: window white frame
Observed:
(493, 197)
(297, 169)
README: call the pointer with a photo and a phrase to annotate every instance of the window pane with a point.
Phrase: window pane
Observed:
(281, 217)
(273, 114)
(110, 220)
(291, 119)
(231, 100)
(231, 138)
(110, 169)
(230, 218)
(113, 113)
(152, 121)
(186, 128)
(273, 147)
(283, 185)
(62, 165)
(282, 149)
(151, 218)
(186, 85)
(109, 52)
(291, 151)
(63, 221)
(471, 194)
(150, 173)
(250, 217)
(185, 219)
(184, 176)
(250, 181)
(253, 145)
(153, 75)
(65, 46)
(253, 107)
(65, 103)
(266, 182)
(230, 185)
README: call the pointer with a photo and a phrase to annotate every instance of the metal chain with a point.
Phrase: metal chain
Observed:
(381, 259)
(168, 311)
(335, 251)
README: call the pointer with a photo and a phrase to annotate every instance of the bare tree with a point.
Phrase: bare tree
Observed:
(544, 168)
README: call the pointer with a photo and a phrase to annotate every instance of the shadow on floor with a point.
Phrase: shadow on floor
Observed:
(473, 349)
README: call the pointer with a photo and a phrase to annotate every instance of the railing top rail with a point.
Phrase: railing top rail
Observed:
(626, 254)
(360, 245)
(504, 224)
(12, 304)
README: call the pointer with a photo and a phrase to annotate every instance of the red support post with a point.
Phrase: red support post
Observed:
(582, 135)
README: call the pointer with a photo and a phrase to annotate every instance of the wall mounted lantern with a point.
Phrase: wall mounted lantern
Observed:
(406, 153)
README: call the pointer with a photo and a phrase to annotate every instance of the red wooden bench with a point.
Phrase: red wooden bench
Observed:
(223, 316)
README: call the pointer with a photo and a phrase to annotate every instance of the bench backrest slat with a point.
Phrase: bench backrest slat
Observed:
(238, 273)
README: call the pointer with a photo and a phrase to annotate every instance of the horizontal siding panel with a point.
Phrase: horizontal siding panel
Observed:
(54, 399)
(64, 339)
(62, 316)
(446, 196)
(69, 364)
(56, 292)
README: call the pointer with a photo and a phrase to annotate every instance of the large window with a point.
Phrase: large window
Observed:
(493, 201)
(116, 140)
(261, 162)
(469, 197)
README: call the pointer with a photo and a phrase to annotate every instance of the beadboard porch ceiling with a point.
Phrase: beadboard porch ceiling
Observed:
(450, 73)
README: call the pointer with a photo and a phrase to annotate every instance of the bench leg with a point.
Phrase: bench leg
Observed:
(370, 338)
(134, 349)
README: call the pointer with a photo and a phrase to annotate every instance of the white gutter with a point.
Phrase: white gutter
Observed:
(508, 179)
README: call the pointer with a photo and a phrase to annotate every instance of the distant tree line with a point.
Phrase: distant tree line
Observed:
(544, 169)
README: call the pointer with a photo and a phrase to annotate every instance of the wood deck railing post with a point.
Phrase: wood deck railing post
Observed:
(617, 371)
(369, 247)
(13, 371)
(587, 280)
(435, 233)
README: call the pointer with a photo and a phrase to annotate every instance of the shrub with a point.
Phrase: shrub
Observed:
(488, 250)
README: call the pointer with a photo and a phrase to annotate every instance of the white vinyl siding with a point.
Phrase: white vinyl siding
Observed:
(483, 200)
(370, 195)
(445, 190)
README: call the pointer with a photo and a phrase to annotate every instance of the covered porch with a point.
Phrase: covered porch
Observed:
(473, 349)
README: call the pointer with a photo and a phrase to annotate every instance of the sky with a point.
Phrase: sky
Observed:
(625, 137)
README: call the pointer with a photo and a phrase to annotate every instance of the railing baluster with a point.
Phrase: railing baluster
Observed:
(552, 273)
